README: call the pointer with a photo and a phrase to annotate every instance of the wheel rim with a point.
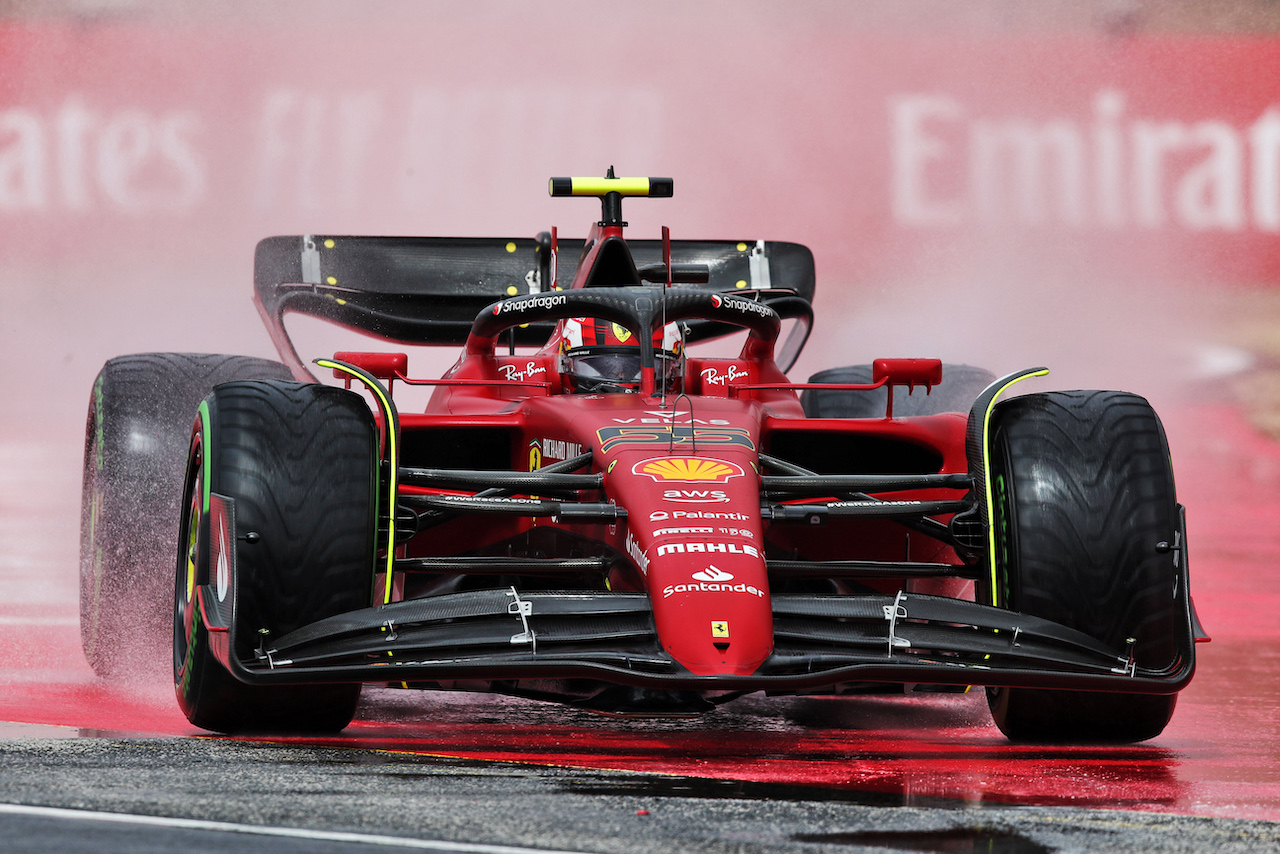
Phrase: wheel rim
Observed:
(186, 570)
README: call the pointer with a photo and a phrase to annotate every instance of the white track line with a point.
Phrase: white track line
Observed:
(287, 832)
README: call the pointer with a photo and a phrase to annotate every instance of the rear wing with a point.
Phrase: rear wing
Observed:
(428, 290)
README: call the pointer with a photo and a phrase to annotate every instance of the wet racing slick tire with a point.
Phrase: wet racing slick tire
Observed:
(960, 387)
(136, 436)
(1083, 491)
(300, 462)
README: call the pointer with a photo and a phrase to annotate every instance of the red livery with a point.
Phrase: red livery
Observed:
(595, 508)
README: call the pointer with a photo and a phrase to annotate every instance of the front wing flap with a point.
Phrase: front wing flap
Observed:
(610, 637)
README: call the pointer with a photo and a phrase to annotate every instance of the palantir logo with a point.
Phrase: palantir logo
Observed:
(713, 573)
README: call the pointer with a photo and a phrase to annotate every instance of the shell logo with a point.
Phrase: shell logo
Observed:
(687, 470)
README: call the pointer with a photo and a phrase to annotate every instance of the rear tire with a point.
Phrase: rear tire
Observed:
(300, 462)
(136, 437)
(960, 387)
(1084, 491)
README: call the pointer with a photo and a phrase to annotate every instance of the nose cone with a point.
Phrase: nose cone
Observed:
(711, 605)
(694, 533)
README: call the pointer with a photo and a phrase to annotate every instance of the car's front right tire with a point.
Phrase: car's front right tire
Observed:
(300, 463)
(136, 435)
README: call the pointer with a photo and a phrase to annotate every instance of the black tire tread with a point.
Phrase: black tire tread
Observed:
(300, 462)
(124, 610)
(1090, 494)
(297, 459)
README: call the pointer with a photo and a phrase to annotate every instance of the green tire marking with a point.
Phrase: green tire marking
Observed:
(986, 472)
(205, 456)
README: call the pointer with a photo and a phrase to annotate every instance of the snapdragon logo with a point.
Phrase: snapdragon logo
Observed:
(742, 305)
(526, 303)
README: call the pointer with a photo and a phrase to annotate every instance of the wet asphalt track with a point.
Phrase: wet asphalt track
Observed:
(90, 767)
(234, 796)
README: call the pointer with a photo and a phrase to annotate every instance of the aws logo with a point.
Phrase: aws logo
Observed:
(687, 470)
(695, 496)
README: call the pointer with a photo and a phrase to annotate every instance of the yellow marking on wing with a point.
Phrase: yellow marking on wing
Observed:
(393, 461)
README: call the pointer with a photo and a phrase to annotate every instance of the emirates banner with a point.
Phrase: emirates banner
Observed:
(136, 143)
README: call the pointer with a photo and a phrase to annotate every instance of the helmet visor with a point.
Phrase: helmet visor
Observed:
(600, 364)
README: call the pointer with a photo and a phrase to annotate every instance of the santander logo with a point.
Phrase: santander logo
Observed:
(713, 573)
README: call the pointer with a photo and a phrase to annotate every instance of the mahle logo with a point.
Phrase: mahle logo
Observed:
(687, 470)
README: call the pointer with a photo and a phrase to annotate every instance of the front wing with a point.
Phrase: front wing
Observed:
(820, 641)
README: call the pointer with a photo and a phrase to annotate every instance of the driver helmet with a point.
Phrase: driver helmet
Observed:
(600, 357)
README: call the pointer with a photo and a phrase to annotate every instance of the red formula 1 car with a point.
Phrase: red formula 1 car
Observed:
(588, 512)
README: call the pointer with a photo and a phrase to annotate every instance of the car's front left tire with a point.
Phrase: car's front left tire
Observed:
(1085, 518)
